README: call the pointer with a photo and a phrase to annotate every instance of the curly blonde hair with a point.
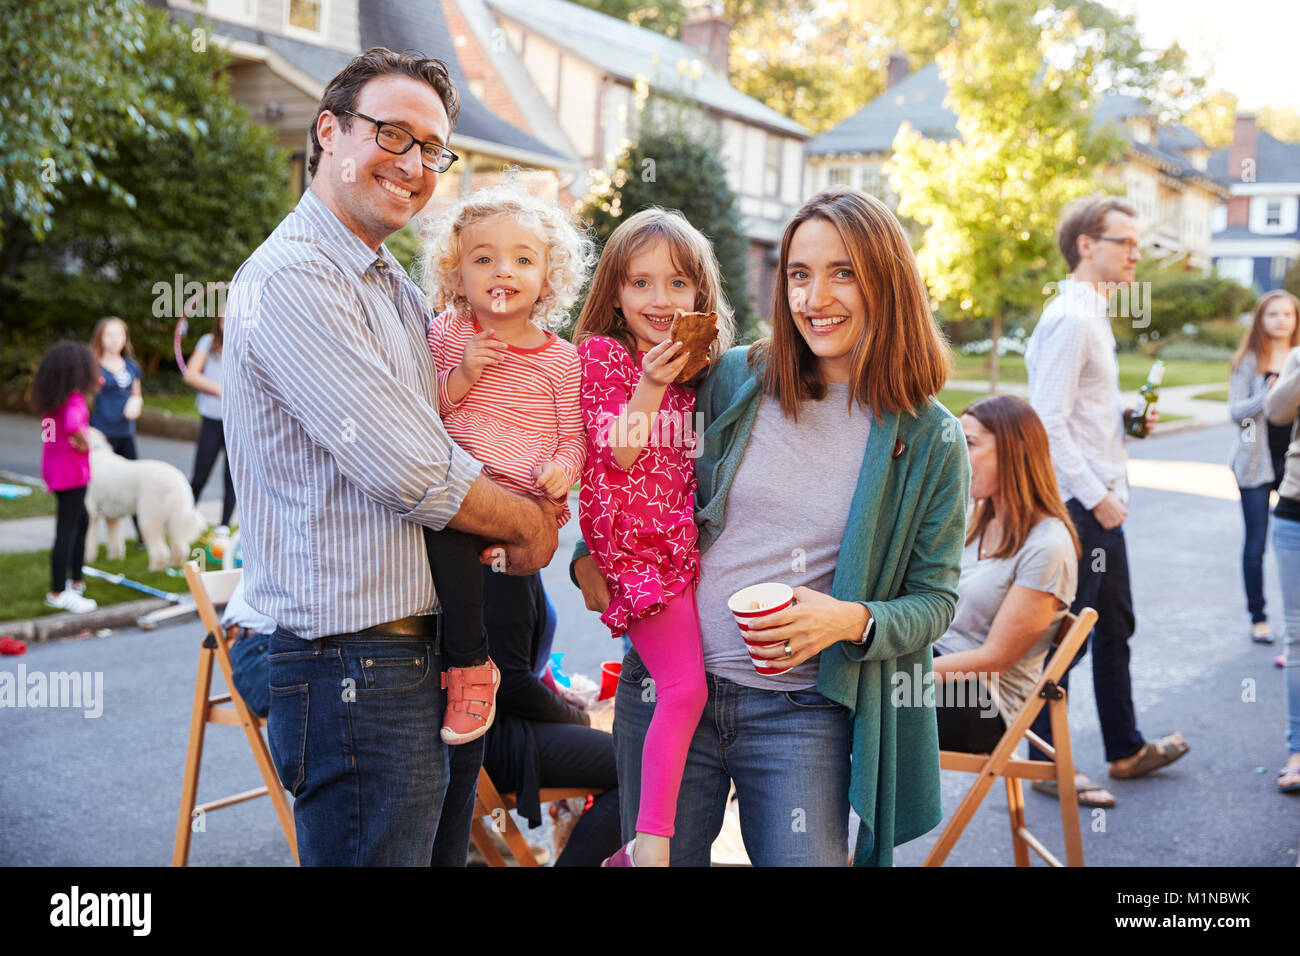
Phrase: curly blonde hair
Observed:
(569, 252)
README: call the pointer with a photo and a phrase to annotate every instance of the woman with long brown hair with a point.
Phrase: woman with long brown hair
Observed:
(1019, 572)
(827, 466)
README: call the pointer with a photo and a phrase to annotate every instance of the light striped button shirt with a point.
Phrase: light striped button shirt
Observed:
(1074, 388)
(331, 417)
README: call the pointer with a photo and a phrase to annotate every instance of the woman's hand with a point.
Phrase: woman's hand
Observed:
(813, 623)
(663, 363)
(595, 589)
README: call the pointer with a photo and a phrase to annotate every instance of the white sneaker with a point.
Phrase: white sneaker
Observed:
(70, 600)
(79, 588)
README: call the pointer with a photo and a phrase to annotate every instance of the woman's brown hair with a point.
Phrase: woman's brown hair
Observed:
(1255, 340)
(901, 358)
(97, 339)
(1026, 480)
(692, 255)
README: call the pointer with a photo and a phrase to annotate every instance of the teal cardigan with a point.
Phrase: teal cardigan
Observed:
(901, 557)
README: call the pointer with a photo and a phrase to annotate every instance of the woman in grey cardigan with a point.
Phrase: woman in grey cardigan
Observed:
(1282, 405)
(1257, 458)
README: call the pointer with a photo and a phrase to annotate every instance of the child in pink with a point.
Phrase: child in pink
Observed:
(67, 375)
(505, 266)
(636, 506)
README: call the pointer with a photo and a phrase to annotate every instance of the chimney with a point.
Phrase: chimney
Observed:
(898, 69)
(1242, 162)
(709, 31)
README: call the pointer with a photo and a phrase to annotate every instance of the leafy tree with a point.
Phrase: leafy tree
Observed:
(675, 163)
(1213, 118)
(193, 200)
(663, 17)
(1283, 122)
(1292, 281)
(989, 200)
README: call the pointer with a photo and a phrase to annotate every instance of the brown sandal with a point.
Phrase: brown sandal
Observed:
(1089, 794)
(1153, 756)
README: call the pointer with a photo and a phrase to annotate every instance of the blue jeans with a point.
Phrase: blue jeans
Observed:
(353, 732)
(1286, 548)
(1254, 508)
(788, 753)
(250, 671)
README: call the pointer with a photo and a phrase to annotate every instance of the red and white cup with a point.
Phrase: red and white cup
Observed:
(752, 603)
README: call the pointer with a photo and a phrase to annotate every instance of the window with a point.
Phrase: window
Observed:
(229, 9)
(306, 15)
(873, 182)
(1277, 268)
(772, 167)
(1239, 268)
(1273, 213)
(839, 176)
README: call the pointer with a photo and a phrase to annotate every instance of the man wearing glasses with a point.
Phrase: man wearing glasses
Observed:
(1074, 388)
(340, 459)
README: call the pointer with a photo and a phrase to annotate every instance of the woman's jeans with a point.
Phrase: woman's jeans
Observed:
(788, 753)
(1254, 508)
(1286, 548)
(354, 734)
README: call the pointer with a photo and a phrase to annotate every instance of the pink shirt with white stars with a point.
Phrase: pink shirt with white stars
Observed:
(639, 523)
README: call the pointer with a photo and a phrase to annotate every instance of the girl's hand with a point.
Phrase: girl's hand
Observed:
(78, 441)
(134, 406)
(663, 363)
(481, 350)
(551, 480)
(813, 623)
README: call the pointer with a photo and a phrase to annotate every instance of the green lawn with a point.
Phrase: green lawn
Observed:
(182, 405)
(27, 580)
(39, 502)
(1214, 395)
(1133, 369)
(956, 400)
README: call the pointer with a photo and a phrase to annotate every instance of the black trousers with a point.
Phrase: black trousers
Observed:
(70, 524)
(458, 577)
(212, 441)
(124, 445)
(965, 724)
(1103, 586)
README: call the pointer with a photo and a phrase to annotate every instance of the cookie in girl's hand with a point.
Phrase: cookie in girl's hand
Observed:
(697, 332)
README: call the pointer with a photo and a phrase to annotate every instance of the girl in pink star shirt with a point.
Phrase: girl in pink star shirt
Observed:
(636, 506)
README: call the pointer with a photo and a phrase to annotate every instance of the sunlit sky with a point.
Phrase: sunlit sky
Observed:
(1248, 47)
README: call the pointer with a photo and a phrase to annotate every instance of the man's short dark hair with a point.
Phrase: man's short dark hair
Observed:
(1086, 218)
(342, 91)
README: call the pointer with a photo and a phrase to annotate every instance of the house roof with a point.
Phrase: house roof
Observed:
(918, 100)
(400, 26)
(1275, 161)
(627, 51)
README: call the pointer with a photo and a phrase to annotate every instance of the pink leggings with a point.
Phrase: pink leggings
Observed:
(669, 646)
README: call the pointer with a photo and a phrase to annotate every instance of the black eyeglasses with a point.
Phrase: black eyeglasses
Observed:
(1130, 245)
(395, 140)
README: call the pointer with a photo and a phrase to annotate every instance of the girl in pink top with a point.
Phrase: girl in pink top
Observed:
(636, 507)
(67, 376)
(506, 267)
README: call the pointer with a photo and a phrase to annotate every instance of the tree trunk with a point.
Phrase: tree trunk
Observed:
(993, 353)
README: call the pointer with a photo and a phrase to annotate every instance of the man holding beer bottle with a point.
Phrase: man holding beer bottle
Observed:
(1074, 387)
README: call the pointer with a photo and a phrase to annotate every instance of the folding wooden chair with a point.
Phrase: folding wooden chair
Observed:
(496, 805)
(1003, 762)
(211, 588)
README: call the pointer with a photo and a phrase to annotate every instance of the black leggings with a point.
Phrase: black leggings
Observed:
(124, 445)
(211, 441)
(70, 526)
(458, 578)
(968, 719)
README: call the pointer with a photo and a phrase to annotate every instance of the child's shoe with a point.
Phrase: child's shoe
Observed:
(622, 856)
(70, 600)
(471, 702)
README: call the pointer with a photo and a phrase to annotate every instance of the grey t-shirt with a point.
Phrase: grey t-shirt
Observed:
(1045, 562)
(786, 512)
(209, 405)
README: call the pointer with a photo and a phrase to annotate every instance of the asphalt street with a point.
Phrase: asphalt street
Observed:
(81, 790)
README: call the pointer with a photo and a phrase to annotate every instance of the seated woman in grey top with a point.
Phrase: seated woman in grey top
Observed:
(1019, 571)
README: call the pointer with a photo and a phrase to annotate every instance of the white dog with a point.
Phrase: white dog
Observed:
(154, 491)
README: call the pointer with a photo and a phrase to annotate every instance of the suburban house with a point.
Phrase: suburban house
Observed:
(285, 51)
(1256, 237)
(1164, 171)
(569, 76)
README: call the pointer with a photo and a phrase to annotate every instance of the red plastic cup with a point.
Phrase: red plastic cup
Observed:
(609, 674)
(769, 597)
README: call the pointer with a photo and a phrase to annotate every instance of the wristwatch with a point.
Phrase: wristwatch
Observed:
(866, 634)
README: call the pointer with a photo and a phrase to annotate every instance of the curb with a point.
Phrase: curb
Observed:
(51, 626)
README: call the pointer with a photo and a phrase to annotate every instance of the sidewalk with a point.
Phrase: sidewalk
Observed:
(1174, 400)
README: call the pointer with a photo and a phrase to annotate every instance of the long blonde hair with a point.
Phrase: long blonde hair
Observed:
(1255, 340)
(901, 358)
(692, 255)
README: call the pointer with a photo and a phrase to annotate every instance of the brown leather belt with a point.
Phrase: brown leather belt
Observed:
(419, 626)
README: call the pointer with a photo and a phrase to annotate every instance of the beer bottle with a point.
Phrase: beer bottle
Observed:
(1150, 392)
